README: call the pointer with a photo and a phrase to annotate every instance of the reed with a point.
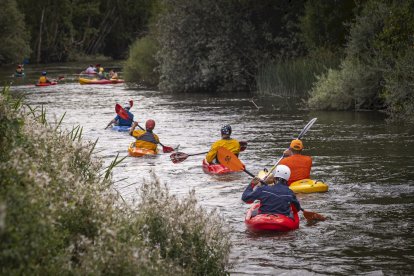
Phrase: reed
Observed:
(292, 78)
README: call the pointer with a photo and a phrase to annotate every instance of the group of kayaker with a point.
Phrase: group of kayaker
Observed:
(275, 196)
(145, 138)
(100, 73)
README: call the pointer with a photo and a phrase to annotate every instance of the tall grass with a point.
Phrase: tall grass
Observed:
(293, 78)
(60, 215)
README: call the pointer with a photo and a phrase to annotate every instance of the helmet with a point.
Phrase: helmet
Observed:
(150, 124)
(296, 144)
(127, 105)
(282, 171)
(226, 130)
(101, 69)
(44, 73)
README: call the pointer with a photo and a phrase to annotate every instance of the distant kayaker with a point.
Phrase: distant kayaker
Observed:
(43, 78)
(146, 139)
(118, 121)
(300, 165)
(101, 74)
(90, 70)
(20, 69)
(113, 74)
(232, 145)
(276, 197)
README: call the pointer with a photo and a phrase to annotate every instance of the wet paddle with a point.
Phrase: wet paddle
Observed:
(178, 157)
(301, 134)
(230, 160)
(124, 115)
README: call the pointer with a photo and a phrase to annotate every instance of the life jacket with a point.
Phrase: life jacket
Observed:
(231, 144)
(145, 139)
(43, 79)
(299, 165)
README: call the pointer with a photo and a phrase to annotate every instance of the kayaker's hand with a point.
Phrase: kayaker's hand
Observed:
(255, 181)
(287, 153)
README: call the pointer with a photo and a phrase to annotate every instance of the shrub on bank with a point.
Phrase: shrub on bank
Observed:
(59, 214)
(141, 64)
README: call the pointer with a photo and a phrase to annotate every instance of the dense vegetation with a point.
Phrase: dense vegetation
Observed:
(59, 213)
(342, 55)
(70, 29)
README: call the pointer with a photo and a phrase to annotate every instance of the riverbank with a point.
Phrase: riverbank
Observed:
(59, 212)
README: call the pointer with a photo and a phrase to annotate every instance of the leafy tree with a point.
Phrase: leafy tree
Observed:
(14, 44)
(324, 23)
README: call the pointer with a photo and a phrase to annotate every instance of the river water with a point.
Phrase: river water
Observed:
(368, 164)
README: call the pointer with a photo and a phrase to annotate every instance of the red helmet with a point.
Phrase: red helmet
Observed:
(150, 124)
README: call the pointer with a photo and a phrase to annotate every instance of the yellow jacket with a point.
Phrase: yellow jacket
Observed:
(42, 79)
(231, 144)
(146, 140)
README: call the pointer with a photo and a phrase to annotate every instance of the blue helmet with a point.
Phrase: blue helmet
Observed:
(226, 130)
(44, 73)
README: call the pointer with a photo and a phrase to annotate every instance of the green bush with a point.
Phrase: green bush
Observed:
(59, 214)
(141, 64)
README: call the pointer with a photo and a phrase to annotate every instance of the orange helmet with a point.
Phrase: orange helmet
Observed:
(150, 124)
(296, 144)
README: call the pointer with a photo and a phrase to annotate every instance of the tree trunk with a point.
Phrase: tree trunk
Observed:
(39, 46)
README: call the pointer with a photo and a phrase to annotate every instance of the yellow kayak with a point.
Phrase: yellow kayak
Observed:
(96, 81)
(139, 152)
(307, 186)
(304, 186)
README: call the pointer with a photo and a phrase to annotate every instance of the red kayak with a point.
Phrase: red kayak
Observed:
(46, 83)
(214, 168)
(271, 222)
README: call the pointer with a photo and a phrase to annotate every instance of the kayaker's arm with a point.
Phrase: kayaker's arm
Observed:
(131, 131)
(295, 201)
(250, 194)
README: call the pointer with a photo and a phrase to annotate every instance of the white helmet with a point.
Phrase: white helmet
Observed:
(127, 105)
(282, 171)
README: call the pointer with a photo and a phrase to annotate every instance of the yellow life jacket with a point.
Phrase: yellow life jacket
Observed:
(146, 140)
(231, 144)
(42, 79)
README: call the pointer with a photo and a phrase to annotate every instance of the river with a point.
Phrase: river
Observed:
(368, 164)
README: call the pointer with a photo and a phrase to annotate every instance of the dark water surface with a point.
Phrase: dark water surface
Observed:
(368, 164)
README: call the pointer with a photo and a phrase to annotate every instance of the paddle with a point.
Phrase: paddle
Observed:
(178, 157)
(230, 160)
(124, 115)
(303, 132)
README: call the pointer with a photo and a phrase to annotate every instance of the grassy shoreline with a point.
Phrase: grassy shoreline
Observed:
(60, 214)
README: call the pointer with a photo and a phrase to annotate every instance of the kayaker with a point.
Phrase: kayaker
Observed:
(299, 165)
(101, 73)
(43, 78)
(276, 197)
(90, 70)
(113, 74)
(119, 121)
(19, 69)
(232, 145)
(146, 139)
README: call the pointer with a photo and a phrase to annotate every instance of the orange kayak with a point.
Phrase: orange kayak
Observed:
(214, 168)
(139, 152)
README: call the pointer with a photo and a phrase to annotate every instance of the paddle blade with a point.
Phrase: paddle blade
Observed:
(243, 145)
(167, 149)
(178, 157)
(121, 112)
(131, 102)
(306, 128)
(312, 216)
(229, 160)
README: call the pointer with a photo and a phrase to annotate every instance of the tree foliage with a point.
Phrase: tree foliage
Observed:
(14, 46)
(381, 44)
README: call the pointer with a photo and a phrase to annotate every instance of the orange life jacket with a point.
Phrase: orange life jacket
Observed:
(299, 165)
